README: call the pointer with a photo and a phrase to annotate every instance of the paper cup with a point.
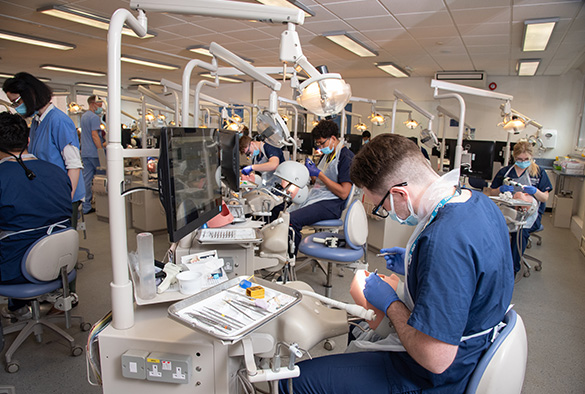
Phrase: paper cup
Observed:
(190, 282)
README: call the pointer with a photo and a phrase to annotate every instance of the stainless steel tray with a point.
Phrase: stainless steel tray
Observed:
(278, 298)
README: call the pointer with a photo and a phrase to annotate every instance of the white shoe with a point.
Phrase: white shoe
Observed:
(20, 314)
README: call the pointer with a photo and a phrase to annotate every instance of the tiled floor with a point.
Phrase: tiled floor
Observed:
(551, 302)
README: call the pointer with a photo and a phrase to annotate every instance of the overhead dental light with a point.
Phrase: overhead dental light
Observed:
(42, 42)
(86, 18)
(392, 69)
(73, 108)
(314, 123)
(273, 128)
(428, 138)
(289, 4)
(527, 67)
(537, 33)
(233, 126)
(350, 43)
(513, 124)
(53, 67)
(377, 119)
(411, 123)
(361, 126)
(148, 63)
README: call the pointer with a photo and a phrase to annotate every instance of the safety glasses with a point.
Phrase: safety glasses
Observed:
(379, 209)
(319, 145)
(16, 102)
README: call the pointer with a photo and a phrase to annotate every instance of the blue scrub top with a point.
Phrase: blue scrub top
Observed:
(541, 182)
(89, 122)
(461, 280)
(271, 151)
(48, 139)
(26, 204)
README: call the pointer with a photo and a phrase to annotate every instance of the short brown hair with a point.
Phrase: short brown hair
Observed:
(388, 158)
(244, 143)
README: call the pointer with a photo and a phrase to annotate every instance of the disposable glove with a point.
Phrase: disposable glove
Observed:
(395, 261)
(379, 293)
(313, 170)
(247, 170)
(529, 190)
(506, 188)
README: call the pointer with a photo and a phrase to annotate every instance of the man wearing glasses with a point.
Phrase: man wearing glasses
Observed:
(458, 281)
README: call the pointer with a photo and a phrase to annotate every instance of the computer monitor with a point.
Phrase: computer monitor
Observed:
(307, 144)
(189, 159)
(501, 151)
(230, 158)
(482, 158)
(355, 142)
(152, 138)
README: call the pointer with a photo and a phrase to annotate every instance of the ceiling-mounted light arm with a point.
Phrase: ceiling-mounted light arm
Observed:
(293, 138)
(449, 114)
(186, 87)
(154, 96)
(408, 101)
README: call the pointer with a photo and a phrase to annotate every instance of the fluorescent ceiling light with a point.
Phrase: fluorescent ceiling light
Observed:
(289, 4)
(6, 75)
(204, 50)
(72, 70)
(537, 33)
(222, 78)
(91, 85)
(86, 18)
(145, 80)
(392, 69)
(149, 63)
(351, 44)
(528, 67)
(42, 42)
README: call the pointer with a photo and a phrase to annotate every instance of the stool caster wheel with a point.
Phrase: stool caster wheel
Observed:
(77, 351)
(79, 266)
(85, 326)
(527, 273)
(538, 267)
(12, 367)
(539, 243)
(90, 256)
(329, 344)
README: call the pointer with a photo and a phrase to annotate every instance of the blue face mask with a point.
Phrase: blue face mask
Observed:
(98, 110)
(21, 109)
(523, 164)
(256, 152)
(366, 141)
(411, 220)
(326, 150)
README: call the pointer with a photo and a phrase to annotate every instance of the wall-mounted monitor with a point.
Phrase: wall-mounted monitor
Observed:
(307, 144)
(482, 158)
(355, 142)
(189, 159)
(230, 158)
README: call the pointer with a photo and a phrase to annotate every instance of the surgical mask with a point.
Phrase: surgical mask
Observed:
(21, 109)
(98, 110)
(411, 220)
(326, 150)
(366, 141)
(523, 164)
(256, 152)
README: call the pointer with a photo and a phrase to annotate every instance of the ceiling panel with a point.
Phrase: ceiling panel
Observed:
(426, 19)
(482, 15)
(551, 10)
(378, 22)
(410, 6)
(366, 8)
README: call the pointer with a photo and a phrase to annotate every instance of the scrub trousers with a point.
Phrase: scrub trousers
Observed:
(90, 165)
(321, 210)
(517, 255)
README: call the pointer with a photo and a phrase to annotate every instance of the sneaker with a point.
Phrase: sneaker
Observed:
(20, 314)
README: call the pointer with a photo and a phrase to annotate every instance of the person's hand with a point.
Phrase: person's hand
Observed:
(395, 261)
(313, 170)
(506, 188)
(529, 190)
(247, 170)
(379, 293)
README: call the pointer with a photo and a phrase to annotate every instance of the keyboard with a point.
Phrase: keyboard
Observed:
(224, 234)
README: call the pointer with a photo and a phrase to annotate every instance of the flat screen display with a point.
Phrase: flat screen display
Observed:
(230, 158)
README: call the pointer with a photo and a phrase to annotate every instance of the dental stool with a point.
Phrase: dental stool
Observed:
(49, 264)
(334, 225)
(502, 367)
(535, 235)
(355, 232)
(525, 256)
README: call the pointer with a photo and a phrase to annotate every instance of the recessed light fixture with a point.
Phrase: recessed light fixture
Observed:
(289, 4)
(537, 33)
(42, 42)
(392, 69)
(528, 67)
(145, 81)
(91, 85)
(53, 67)
(149, 63)
(86, 18)
(222, 78)
(6, 75)
(350, 43)
(204, 50)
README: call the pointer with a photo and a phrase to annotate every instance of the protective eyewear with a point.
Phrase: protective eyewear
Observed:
(321, 144)
(16, 102)
(379, 209)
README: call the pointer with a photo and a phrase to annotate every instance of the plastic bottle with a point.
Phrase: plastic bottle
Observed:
(145, 251)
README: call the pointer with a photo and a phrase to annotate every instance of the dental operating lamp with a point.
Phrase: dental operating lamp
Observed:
(514, 122)
(408, 101)
(453, 87)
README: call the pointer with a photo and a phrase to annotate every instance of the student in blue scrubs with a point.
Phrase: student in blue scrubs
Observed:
(264, 157)
(34, 196)
(536, 183)
(458, 281)
(53, 136)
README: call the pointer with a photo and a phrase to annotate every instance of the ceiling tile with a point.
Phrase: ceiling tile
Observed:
(366, 8)
(473, 4)
(489, 49)
(381, 36)
(380, 22)
(537, 11)
(482, 15)
(487, 40)
(484, 29)
(424, 32)
(410, 6)
(426, 19)
(323, 27)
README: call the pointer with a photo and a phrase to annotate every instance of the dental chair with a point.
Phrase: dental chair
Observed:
(502, 367)
(49, 264)
(334, 225)
(355, 233)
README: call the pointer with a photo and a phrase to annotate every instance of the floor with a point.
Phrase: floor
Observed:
(551, 303)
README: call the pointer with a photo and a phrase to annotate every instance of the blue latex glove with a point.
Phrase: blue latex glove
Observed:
(529, 190)
(506, 188)
(395, 262)
(379, 293)
(247, 170)
(313, 170)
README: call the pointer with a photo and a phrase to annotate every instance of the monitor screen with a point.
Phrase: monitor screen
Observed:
(482, 158)
(306, 145)
(501, 151)
(355, 142)
(189, 159)
(230, 158)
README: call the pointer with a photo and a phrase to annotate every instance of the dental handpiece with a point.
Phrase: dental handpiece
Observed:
(385, 254)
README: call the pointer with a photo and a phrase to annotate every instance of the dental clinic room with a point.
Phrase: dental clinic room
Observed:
(264, 196)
